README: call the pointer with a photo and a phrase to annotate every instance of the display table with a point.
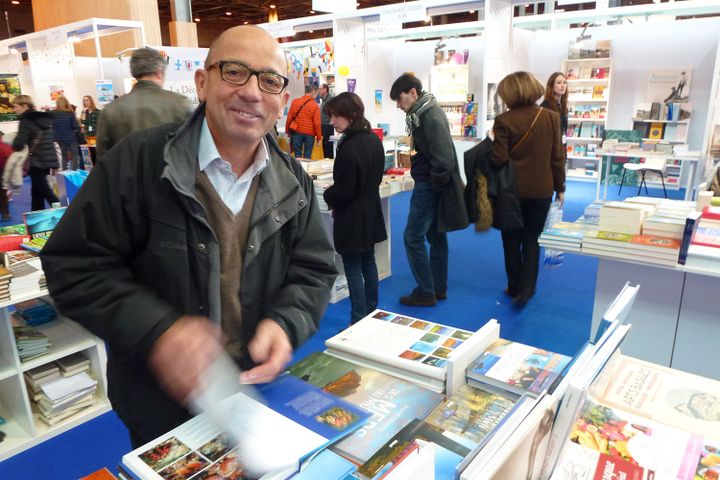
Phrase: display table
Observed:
(606, 156)
(675, 320)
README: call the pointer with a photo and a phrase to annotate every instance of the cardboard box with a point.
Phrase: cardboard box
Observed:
(403, 159)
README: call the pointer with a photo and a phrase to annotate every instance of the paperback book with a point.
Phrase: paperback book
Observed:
(391, 402)
(517, 367)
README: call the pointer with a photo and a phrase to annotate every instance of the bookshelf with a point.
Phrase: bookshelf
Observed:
(23, 430)
(588, 83)
(450, 83)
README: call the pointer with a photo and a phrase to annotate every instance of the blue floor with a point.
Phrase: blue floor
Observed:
(557, 318)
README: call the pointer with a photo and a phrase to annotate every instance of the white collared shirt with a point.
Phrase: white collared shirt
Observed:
(232, 190)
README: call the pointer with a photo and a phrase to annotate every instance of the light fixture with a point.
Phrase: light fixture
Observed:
(15, 2)
(471, 12)
(428, 19)
(197, 19)
(229, 14)
(311, 31)
(559, 10)
(312, 12)
(245, 22)
(272, 5)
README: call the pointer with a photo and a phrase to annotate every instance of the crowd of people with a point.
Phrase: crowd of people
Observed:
(197, 233)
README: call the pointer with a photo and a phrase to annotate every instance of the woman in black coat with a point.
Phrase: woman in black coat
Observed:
(355, 200)
(35, 130)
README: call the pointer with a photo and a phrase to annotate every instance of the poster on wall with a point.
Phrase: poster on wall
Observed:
(669, 86)
(378, 101)
(104, 90)
(9, 88)
(56, 91)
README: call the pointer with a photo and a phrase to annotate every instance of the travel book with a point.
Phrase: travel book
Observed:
(472, 412)
(449, 450)
(298, 421)
(391, 402)
(417, 350)
(517, 367)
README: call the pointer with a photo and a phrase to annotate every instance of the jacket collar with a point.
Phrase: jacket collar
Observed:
(181, 161)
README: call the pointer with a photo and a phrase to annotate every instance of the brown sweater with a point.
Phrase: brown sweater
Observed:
(232, 233)
(539, 162)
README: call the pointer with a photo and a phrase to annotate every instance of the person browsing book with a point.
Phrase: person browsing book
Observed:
(527, 137)
(354, 199)
(189, 239)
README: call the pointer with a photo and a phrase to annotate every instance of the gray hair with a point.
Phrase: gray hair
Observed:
(146, 61)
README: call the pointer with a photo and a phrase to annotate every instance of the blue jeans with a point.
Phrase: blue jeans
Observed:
(302, 145)
(430, 272)
(362, 277)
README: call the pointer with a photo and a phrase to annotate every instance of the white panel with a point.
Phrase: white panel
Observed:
(350, 51)
(52, 66)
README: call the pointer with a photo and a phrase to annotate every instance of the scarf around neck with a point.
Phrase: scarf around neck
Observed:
(412, 119)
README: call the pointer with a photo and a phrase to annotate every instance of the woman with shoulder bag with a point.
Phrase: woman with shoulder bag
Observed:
(35, 131)
(527, 137)
(354, 199)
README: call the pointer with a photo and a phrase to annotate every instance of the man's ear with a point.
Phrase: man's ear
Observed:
(200, 83)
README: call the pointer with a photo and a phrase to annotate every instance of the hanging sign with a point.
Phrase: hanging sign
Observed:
(279, 29)
(377, 29)
(403, 13)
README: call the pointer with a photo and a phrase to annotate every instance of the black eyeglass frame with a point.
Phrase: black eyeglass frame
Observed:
(221, 63)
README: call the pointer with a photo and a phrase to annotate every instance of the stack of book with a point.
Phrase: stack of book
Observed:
(566, 236)
(5, 276)
(73, 364)
(624, 217)
(63, 397)
(27, 274)
(704, 249)
(644, 248)
(31, 343)
(39, 376)
(35, 312)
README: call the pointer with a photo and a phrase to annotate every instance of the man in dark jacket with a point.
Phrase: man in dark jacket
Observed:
(327, 129)
(436, 205)
(147, 105)
(181, 237)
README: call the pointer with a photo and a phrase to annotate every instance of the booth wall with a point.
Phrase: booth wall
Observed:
(637, 50)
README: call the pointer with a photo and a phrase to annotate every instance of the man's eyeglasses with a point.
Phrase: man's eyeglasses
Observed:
(235, 73)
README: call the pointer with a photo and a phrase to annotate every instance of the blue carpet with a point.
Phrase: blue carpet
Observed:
(557, 318)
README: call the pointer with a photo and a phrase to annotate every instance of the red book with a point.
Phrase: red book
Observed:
(397, 171)
(711, 212)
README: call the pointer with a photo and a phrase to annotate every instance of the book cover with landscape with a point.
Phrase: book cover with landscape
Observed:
(517, 367)
(392, 402)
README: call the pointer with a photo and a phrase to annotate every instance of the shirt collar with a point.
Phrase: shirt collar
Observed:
(208, 152)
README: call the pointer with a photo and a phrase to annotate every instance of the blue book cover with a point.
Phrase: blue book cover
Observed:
(391, 402)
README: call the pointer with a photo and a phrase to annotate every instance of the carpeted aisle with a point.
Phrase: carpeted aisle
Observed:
(557, 318)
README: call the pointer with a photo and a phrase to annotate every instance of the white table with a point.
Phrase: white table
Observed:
(689, 183)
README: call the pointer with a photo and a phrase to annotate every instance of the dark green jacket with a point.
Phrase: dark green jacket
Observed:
(434, 145)
(147, 105)
(134, 252)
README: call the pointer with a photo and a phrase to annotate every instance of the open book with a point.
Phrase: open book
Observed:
(297, 421)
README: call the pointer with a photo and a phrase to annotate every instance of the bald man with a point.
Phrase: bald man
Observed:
(194, 238)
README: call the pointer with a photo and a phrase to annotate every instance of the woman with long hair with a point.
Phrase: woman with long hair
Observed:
(88, 122)
(528, 138)
(354, 199)
(67, 131)
(36, 131)
(555, 99)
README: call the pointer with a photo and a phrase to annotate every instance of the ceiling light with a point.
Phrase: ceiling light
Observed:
(197, 19)
(471, 12)
(15, 2)
(245, 22)
(271, 5)
(428, 19)
(310, 31)
(312, 12)
(559, 10)
(228, 13)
